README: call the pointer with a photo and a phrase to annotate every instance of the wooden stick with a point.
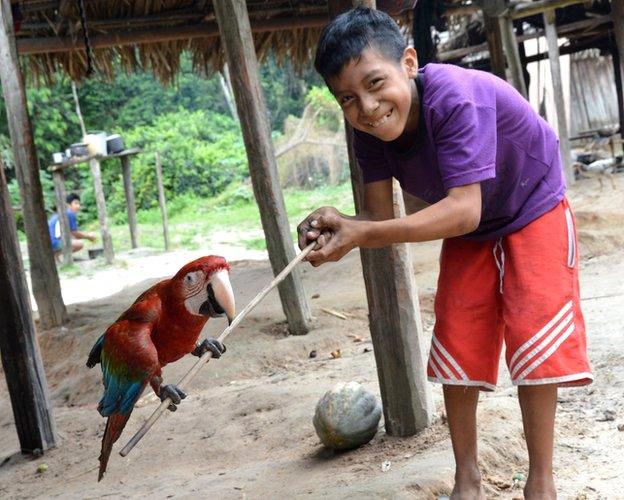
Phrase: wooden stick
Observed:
(206, 357)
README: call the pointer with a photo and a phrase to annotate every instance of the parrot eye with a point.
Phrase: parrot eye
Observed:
(191, 279)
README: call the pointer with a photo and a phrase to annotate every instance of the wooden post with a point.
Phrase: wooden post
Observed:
(61, 208)
(555, 73)
(45, 281)
(19, 350)
(617, 13)
(394, 316)
(619, 88)
(237, 42)
(130, 203)
(107, 241)
(510, 44)
(495, 46)
(162, 201)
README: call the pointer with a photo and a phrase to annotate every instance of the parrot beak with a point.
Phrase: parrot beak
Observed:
(220, 296)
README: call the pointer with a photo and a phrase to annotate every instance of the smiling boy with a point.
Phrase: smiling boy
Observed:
(467, 144)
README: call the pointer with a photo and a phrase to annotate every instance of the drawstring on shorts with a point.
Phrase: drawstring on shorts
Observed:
(500, 263)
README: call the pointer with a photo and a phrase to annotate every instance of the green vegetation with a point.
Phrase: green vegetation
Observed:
(232, 216)
(205, 171)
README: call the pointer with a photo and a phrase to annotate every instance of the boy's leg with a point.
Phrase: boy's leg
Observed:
(461, 412)
(544, 331)
(77, 245)
(465, 348)
(538, 404)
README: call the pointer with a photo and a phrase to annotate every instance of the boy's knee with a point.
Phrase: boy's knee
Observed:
(77, 245)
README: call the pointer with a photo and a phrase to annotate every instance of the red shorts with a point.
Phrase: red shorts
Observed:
(523, 289)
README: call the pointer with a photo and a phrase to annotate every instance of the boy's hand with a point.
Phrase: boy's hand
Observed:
(335, 235)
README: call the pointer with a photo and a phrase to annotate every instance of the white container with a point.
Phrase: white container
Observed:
(96, 143)
(58, 157)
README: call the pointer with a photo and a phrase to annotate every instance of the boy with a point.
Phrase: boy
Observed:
(54, 227)
(470, 146)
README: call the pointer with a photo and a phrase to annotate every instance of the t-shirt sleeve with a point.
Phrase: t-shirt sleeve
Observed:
(465, 140)
(73, 222)
(370, 155)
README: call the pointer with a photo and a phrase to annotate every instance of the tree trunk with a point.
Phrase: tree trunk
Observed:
(45, 280)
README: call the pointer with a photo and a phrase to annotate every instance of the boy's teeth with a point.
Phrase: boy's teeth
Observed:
(380, 122)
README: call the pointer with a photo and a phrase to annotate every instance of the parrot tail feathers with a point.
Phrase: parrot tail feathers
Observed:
(114, 426)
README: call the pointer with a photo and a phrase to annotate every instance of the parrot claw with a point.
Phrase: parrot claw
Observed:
(212, 345)
(174, 393)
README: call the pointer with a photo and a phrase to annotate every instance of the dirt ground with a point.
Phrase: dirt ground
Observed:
(246, 429)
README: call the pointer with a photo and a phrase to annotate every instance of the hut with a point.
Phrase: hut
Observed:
(79, 37)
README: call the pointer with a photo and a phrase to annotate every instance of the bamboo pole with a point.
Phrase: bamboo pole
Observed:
(162, 201)
(206, 357)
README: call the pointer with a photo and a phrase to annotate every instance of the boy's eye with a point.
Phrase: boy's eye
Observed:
(345, 99)
(376, 82)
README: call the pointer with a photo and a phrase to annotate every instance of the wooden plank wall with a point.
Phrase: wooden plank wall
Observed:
(592, 92)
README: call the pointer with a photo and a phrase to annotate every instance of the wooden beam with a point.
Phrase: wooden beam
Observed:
(19, 351)
(130, 203)
(555, 72)
(44, 276)
(495, 46)
(563, 29)
(162, 201)
(510, 43)
(526, 9)
(47, 45)
(107, 241)
(239, 49)
(394, 322)
(617, 11)
(66, 240)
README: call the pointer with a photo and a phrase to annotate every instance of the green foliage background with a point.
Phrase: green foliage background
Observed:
(188, 123)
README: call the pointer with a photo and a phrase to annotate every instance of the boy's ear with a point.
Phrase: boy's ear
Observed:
(410, 61)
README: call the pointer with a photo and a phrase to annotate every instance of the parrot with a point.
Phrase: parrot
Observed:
(160, 327)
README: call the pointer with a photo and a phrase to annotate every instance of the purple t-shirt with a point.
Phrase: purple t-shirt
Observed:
(474, 127)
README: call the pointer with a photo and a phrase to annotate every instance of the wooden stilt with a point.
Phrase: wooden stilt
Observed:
(45, 281)
(617, 13)
(107, 241)
(555, 72)
(130, 203)
(394, 316)
(495, 46)
(21, 359)
(512, 53)
(233, 21)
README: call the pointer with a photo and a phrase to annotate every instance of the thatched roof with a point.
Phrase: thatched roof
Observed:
(152, 34)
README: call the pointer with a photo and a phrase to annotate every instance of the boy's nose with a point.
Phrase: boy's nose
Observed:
(369, 105)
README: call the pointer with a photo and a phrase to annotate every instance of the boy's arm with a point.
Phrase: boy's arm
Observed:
(457, 214)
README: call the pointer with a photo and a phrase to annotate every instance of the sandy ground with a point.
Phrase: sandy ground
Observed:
(246, 429)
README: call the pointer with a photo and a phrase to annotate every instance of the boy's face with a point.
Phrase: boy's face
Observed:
(74, 206)
(376, 93)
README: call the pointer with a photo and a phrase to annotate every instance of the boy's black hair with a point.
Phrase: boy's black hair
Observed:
(71, 197)
(349, 34)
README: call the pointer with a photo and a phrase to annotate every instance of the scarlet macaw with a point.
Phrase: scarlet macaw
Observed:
(161, 326)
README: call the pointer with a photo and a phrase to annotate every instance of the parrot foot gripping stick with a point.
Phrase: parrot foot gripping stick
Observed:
(206, 357)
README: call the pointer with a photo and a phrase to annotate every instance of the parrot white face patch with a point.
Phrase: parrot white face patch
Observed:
(195, 291)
